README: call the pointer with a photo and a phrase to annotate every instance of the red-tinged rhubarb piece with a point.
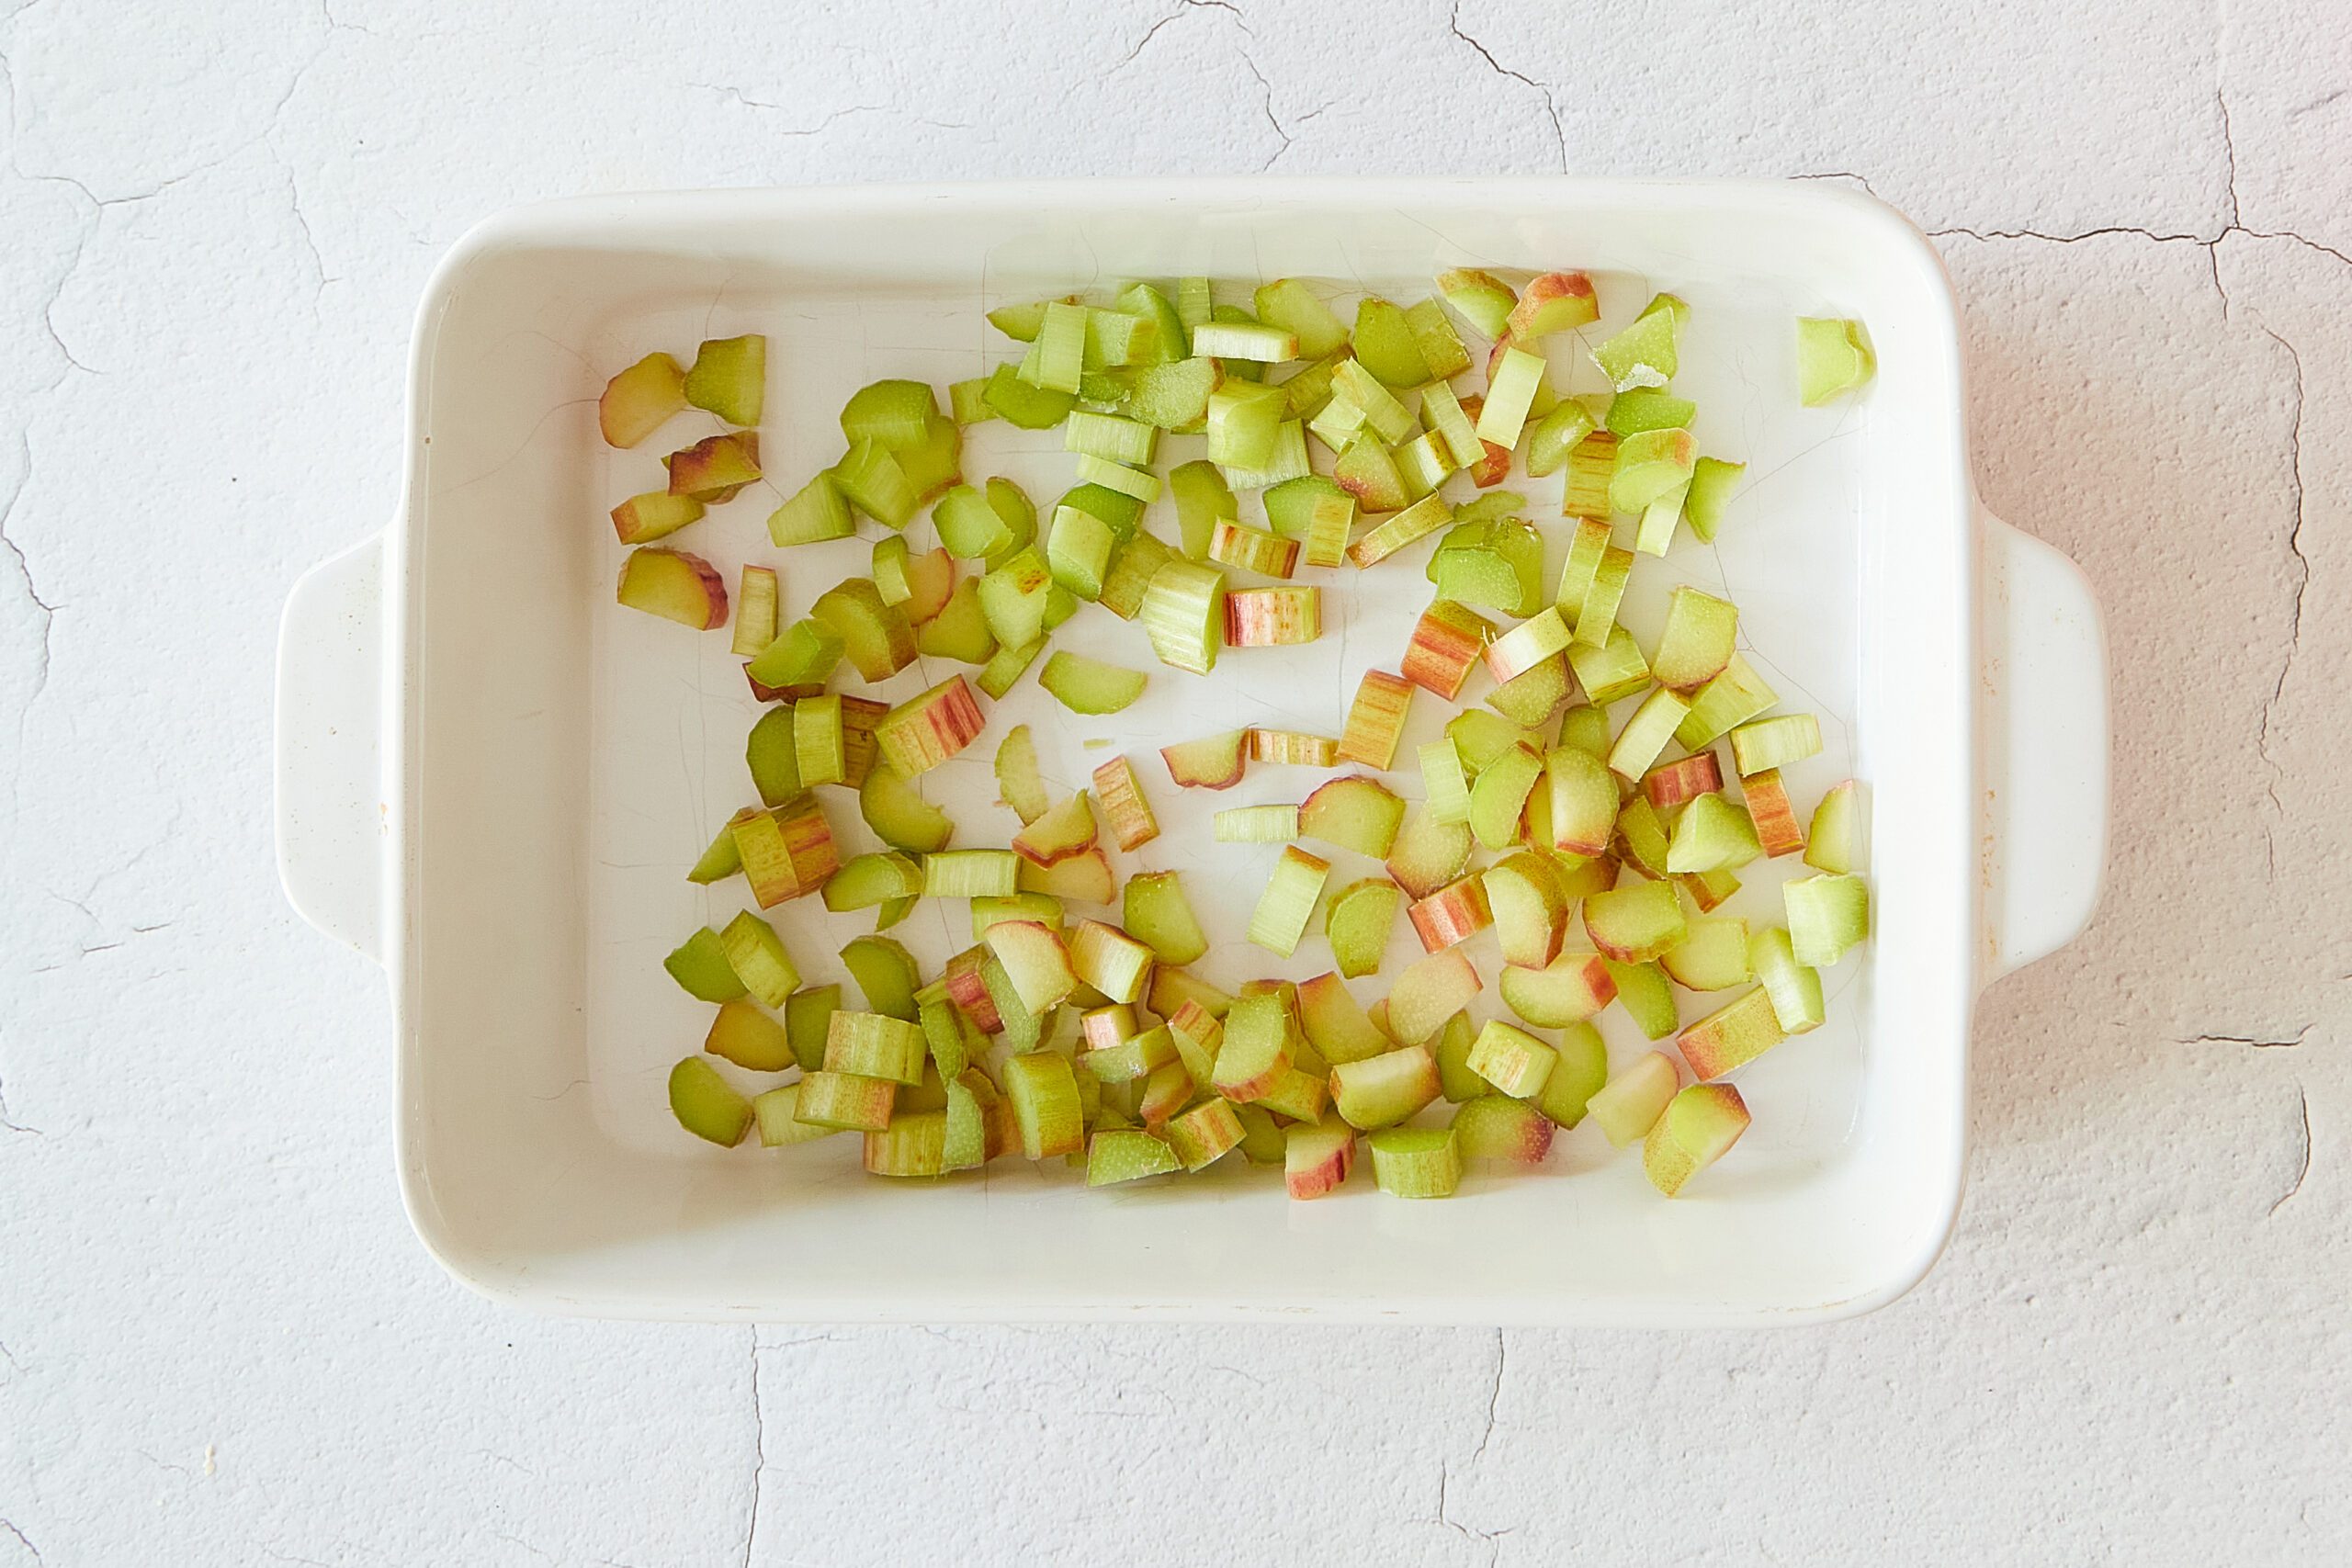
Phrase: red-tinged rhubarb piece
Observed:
(1494, 1127)
(1478, 297)
(1447, 640)
(1527, 645)
(844, 1102)
(1553, 303)
(1121, 795)
(716, 467)
(1066, 830)
(1493, 468)
(1429, 993)
(1215, 762)
(641, 400)
(1698, 1127)
(964, 979)
(1316, 1159)
(675, 586)
(1257, 1047)
(1513, 1060)
(1451, 914)
(1376, 719)
(788, 853)
(642, 519)
(1708, 889)
(925, 731)
(1699, 639)
(1732, 1036)
(1206, 1133)
(1104, 1027)
(1570, 990)
(1767, 807)
(1272, 618)
(1111, 961)
(1384, 1090)
(1292, 748)
(1246, 549)
(1685, 778)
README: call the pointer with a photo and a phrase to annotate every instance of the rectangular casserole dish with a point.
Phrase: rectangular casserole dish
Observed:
(491, 779)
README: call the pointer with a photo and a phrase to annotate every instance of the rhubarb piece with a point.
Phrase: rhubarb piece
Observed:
(1385, 345)
(757, 956)
(1581, 799)
(1288, 901)
(1698, 1127)
(1642, 836)
(1329, 526)
(1158, 914)
(1513, 1060)
(1556, 437)
(1534, 695)
(1088, 686)
(1213, 763)
(969, 526)
(1007, 665)
(641, 400)
(1020, 322)
(1570, 990)
(728, 376)
(845, 1101)
(1646, 733)
(1660, 518)
(1712, 956)
(1359, 385)
(1432, 990)
(1427, 853)
(1440, 347)
(1833, 358)
(1272, 618)
(1711, 482)
(1768, 807)
(913, 1144)
(807, 1019)
(886, 973)
(1482, 736)
(1585, 728)
(755, 611)
(1588, 543)
(1774, 742)
(1183, 611)
(1631, 1102)
(1245, 423)
(1495, 467)
(1729, 700)
(1297, 1095)
(878, 637)
(744, 1035)
(787, 852)
(707, 1105)
(816, 740)
(1133, 565)
(1670, 785)
(1196, 1032)
(1479, 297)
(1127, 1155)
(1648, 996)
(1174, 396)
(1013, 597)
(1358, 922)
(1498, 563)
(1206, 1133)
(675, 586)
(1121, 794)
(1367, 472)
(1058, 353)
(1376, 719)
(1078, 551)
(1035, 961)
(1023, 405)
(1650, 465)
(1531, 911)
(1732, 1036)
(1352, 813)
(1510, 394)
(699, 965)
(1591, 465)
(1251, 549)
(1580, 877)
(1712, 834)
(925, 730)
(1316, 1159)
(1527, 645)
(1708, 889)
(1254, 341)
(1111, 961)
(1292, 748)
(1288, 462)
(1165, 1092)
(1132, 1059)
(1110, 438)
(1443, 413)
(1633, 925)
(1794, 989)
(1308, 392)
(874, 1046)
(1649, 407)
(952, 1039)
(1058, 834)
(1422, 518)
(1836, 829)
(777, 1113)
(642, 519)
(899, 816)
(1335, 1025)
(971, 874)
(1289, 305)
(804, 654)
(1644, 353)
(1256, 825)
(1017, 782)
(1597, 616)
(1256, 1049)
(1453, 913)
(968, 403)
(1422, 464)
(875, 480)
(1202, 498)
(1494, 1127)
(1385, 1090)
(1443, 783)
(1551, 302)
(772, 757)
(1500, 793)
(1827, 915)
(1415, 1162)
(1043, 1091)
(1697, 640)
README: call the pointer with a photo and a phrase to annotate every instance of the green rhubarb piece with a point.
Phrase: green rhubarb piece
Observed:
(723, 860)
(876, 637)
(728, 376)
(1089, 686)
(1007, 665)
(1610, 671)
(1733, 697)
(1510, 396)
(1774, 742)
(1555, 435)
(1290, 505)
(1577, 1076)
(1415, 1162)
(1440, 347)
(1650, 465)
(1827, 915)
(1289, 305)
(893, 413)
(758, 957)
(1648, 996)
(772, 757)
(1202, 498)
(807, 1022)
(700, 967)
(1712, 956)
(1235, 369)
(1535, 694)
(1834, 840)
(748, 1037)
(1711, 481)
(1020, 322)
(707, 1105)
(970, 527)
(875, 483)
(1455, 1080)
(1115, 1156)
(1023, 405)
(1833, 358)
(1158, 914)
(1698, 641)
(1078, 551)
(960, 630)
(1793, 988)
(818, 510)
(869, 880)
(1385, 345)
(1649, 407)
(900, 816)
(1174, 396)
(885, 972)
(803, 655)
(1644, 353)
(1358, 923)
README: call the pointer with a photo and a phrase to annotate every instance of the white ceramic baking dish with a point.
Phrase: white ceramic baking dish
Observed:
(490, 779)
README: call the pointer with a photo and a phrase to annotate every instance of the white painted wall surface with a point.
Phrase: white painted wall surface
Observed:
(219, 1343)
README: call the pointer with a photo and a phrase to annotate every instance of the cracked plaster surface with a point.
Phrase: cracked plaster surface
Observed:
(219, 1342)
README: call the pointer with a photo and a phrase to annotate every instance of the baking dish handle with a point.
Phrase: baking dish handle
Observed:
(332, 825)
(2044, 750)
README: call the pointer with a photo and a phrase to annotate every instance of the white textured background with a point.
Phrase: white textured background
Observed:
(219, 1343)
